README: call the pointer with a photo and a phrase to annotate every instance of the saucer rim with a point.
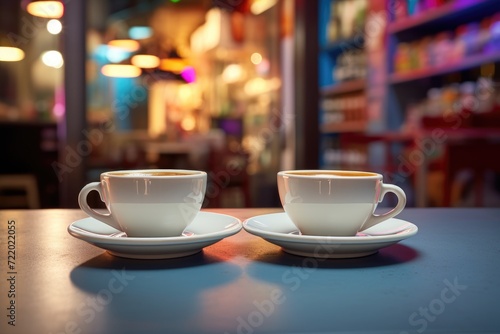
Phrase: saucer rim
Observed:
(229, 229)
(299, 238)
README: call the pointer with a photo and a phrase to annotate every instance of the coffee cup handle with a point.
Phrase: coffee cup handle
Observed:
(82, 201)
(376, 219)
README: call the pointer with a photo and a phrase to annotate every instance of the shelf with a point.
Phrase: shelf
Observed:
(341, 45)
(351, 126)
(351, 86)
(465, 64)
(452, 14)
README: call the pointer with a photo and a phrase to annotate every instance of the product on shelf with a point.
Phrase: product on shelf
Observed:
(405, 8)
(347, 19)
(350, 65)
(492, 30)
(334, 157)
(402, 58)
(399, 9)
(449, 46)
(344, 109)
(343, 68)
(457, 105)
(440, 49)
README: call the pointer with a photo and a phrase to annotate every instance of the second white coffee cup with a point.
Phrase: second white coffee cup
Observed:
(333, 202)
(148, 203)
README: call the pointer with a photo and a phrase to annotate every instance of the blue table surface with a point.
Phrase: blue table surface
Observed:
(445, 279)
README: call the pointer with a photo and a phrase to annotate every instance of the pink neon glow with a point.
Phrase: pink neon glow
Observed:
(188, 74)
(60, 105)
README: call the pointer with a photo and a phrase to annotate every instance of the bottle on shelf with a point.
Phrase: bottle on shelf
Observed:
(344, 109)
(346, 19)
(493, 42)
(456, 105)
(350, 65)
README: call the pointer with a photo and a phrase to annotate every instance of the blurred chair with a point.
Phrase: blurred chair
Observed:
(19, 191)
(477, 156)
(228, 179)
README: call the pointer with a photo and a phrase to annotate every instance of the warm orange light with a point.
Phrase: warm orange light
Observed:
(54, 26)
(188, 123)
(172, 65)
(145, 61)
(46, 9)
(260, 6)
(8, 53)
(125, 44)
(233, 73)
(53, 59)
(121, 71)
(256, 58)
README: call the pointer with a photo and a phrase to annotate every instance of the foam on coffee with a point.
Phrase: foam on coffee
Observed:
(146, 174)
(334, 173)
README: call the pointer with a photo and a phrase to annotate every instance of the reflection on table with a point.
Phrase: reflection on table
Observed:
(440, 280)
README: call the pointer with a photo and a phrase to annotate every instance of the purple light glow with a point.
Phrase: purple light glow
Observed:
(188, 74)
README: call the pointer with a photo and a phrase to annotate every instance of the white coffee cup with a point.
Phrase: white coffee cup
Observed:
(148, 203)
(335, 202)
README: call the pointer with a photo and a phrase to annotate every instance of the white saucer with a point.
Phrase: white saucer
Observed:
(206, 229)
(278, 229)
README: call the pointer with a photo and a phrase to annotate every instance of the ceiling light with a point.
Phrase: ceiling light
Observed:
(125, 44)
(140, 32)
(256, 58)
(52, 59)
(209, 35)
(260, 6)
(172, 65)
(259, 86)
(9, 53)
(116, 54)
(233, 73)
(54, 26)
(145, 61)
(188, 123)
(121, 71)
(46, 9)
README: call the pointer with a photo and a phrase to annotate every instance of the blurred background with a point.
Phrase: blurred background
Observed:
(245, 88)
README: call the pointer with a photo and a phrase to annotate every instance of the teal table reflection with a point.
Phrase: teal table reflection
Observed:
(442, 280)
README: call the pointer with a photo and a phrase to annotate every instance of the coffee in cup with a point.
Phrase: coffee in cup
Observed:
(335, 202)
(148, 203)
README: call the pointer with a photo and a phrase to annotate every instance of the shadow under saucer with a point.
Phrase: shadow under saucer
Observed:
(149, 295)
(391, 255)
